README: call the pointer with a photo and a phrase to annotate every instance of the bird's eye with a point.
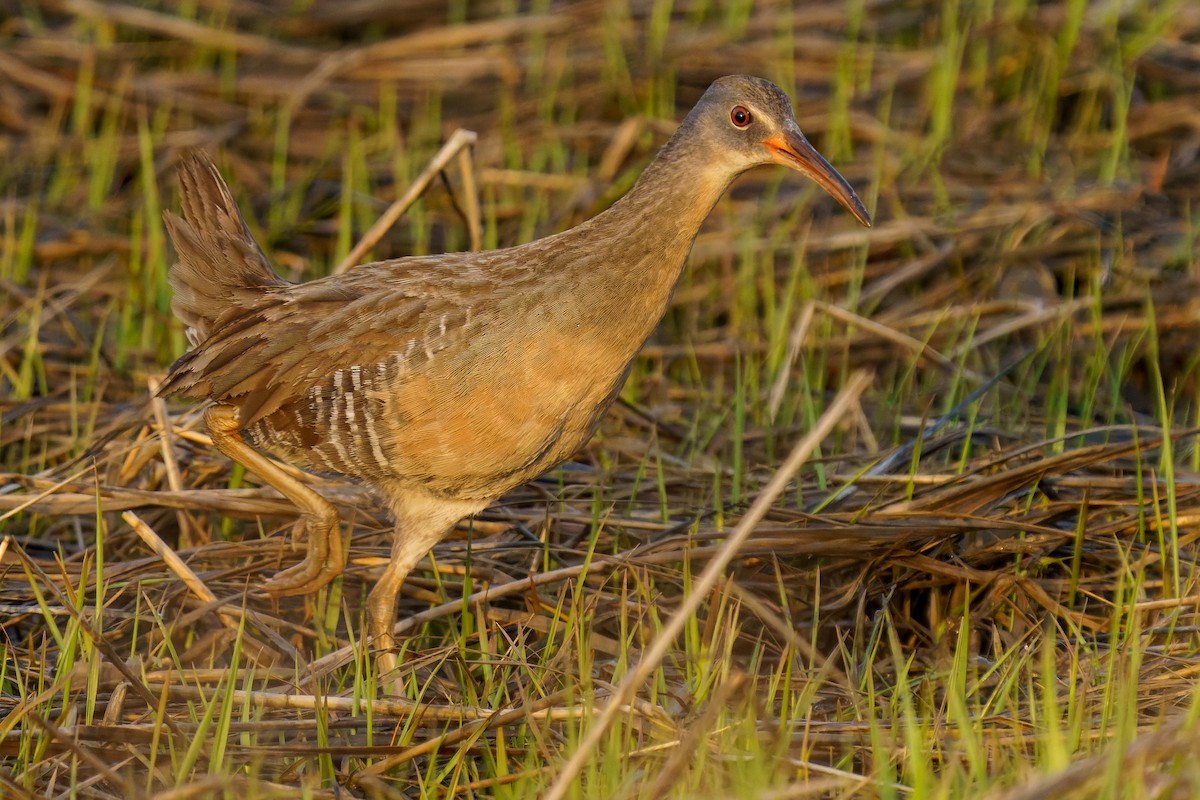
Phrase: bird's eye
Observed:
(740, 116)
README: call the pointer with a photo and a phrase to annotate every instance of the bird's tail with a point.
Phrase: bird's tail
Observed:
(220, 265)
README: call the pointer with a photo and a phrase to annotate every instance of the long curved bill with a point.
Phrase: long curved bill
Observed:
(791, 149)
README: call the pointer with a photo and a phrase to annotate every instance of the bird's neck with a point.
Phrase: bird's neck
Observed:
(665, 208)
(647, 235)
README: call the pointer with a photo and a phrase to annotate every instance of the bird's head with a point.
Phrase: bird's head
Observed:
(749, 121)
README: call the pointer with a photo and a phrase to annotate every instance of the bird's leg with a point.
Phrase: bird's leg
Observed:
(324, 559)
(407, 550)
(421, 522)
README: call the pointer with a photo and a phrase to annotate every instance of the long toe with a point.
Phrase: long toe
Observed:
(303, 578)
(323, 560)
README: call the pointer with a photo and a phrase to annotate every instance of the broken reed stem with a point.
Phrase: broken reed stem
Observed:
(176, 565)
(460, 140)
(635, 678)
(260, 653)
(466, 165)
(167, 440)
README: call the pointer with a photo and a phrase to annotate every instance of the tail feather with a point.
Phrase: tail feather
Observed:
(220, 265)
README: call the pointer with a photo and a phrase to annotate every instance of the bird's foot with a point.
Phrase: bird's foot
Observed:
(323, 561)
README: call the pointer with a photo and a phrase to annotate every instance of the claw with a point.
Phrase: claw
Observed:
(303, 578)
(323, 561)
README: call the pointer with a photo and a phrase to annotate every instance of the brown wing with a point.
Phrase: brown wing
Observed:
(298, 337)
